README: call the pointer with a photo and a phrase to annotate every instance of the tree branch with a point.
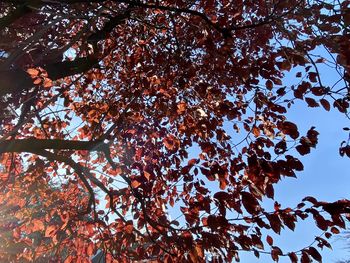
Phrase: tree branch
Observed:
(17, 13)
(32, 144)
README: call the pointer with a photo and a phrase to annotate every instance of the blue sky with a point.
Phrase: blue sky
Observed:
(325, 176)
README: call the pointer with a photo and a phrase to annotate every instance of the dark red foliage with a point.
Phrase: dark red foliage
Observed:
(119, 124)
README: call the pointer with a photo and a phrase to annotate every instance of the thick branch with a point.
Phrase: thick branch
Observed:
(108, 27)
(30, 145)
(17, 13)
(17, 80)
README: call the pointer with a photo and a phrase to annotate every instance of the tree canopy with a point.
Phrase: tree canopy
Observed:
(153, 130)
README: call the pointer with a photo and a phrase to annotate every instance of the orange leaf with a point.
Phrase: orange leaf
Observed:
(47, 83)
(171, 142)
(256, 131)
(37, 81)
(181, 107)
(69, 259)
(90, 250)
(129, 228)
(50, 231)
(38, 225)
(147, 175)
(33, 72)
(135, 184)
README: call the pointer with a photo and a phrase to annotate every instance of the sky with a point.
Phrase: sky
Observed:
(326, 174)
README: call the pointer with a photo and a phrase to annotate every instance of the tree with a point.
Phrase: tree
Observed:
(105, 102)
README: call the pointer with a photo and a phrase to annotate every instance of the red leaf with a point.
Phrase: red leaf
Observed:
(303, 149)
(311, 102)
(250, 203)
(315, 254)
(269, 84)
(90, 250)
(129, 228)
(289, 128)
(275, 253)
(269, 240)
(293, 257)
(335, 230)
(171, 143)
(305, 257)
(275, 222)
(310, 199)
(313, 76)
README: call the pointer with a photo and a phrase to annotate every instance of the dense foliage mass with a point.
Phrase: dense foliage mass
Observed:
(152, 130)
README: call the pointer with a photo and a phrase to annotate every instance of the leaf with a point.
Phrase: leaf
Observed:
(199, 250)
(37, 81)
(270, 192)
(50, 231)
(289, 128)
(323, 242)
(171, 143)
(293, 257)
(269, 240)
(47, 83)
(135, 184)
(208, 174)
(341, 105)
(311, 102)
(321, 222)
(275, 222)
(269, 84)
(181, 107)
(303, 149)
(335, 230)
(90, 249)
(147, 175)
(256, 131)
(250, 203)
(38, 225)
(129, 228)
(69, 259)
(315, 254)
(313, 76)
(192, 162)
(275, 253)
(33, 72)
(305, 257)
(310, 199)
